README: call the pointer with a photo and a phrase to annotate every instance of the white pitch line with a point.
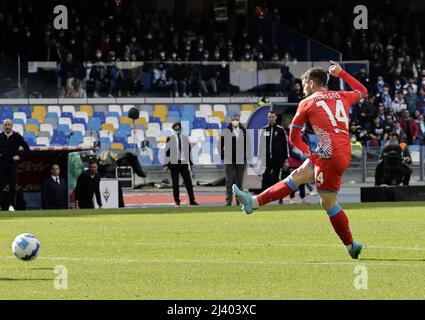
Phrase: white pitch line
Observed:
(197, 261)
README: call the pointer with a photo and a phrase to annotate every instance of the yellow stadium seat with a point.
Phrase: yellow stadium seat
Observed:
(40, 110)
(162, 139)
(220, 115)
(32, 127)
(87, 108)
(212, 133)
(142, 121)
(39, 116)
(161, 108)
(119, 146)
(108, 127)
(127, 120)
(249, 107)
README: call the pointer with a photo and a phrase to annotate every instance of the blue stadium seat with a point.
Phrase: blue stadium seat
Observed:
(173, 114)
(27, 110)
(105, 143)
(154, 120)
(122, 140)
(67, 115)
(199, 123)
(33, 121)
(122, 134)
(19, 121)
(94, 124)
(174, 108)
(113, 114)
(31, 142)
(100, 115)
(64, 129)
(59, 140)
(80, 120)
(30, 135)
(213, 126)
(52, 115)
(233, 109)
(125, 127)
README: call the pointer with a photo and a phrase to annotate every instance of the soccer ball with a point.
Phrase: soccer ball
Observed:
(26, 247)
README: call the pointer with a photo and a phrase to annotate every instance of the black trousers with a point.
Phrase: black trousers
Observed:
(234, 175)
(8, 173)
(183, 170)
(270, 177)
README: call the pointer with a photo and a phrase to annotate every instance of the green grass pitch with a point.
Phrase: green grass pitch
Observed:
(279, 252)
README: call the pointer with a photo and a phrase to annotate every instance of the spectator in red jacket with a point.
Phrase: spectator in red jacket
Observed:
(409, 126)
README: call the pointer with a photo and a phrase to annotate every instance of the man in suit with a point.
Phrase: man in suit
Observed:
(12, 148)
(273, 151)
(177, 160)
(54, 193)
(234, 151)
(88, 186)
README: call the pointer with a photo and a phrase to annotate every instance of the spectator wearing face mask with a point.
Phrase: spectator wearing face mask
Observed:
(235, 148)
(411, 83)
(71, 72)
(113, 75)
(97, 74)
(421, 101)
(162, 80)
(411, 99)
(356, 148)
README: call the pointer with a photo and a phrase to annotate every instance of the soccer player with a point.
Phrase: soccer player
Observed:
(327, 113)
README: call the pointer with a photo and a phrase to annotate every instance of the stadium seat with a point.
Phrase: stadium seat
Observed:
(87, 109)
(65, 121)
(154, 127)
(52, 115)
(78, 127)
(65, 129)
(82, 115)
(39, 110)
(160, 111)
(79, 121)
(45, 134)
(108, 127)
(105, 143)
(88, 141)
(31, 127)
(215, 120)
(33, 121)
(155, 120)
(220, 115)
(20, 115)
(126, 120)
(174, 108)
(54, 109)
(58, 140)
(113, 121)
(39, 116)
(118, 146)
(18, 121)
(213, 126)
(199, 123)
(220, 108)
(68, 109)
(167, 126)
(53, 122)
(94, 124)
(247, 107)
(144, 115)
(115, 108)
(205, 109)
(69, 115)
(141, 123)
(26, 109)
(121, 134)
(113, 114)
(233, 109)
(29, 135)
(100, 108)
(31, 142)
(47, 127)
(42, 141)
(106, 134)
(19, 128)
(100, 115)
(147, 108)
(127, 107)
(204, 159)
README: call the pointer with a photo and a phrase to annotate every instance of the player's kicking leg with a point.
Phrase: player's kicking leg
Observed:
(339, 222)
(249, 203)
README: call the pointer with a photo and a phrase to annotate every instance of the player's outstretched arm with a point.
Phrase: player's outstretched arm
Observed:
(336, 71)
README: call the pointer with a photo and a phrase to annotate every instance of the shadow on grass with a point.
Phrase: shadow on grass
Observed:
(25, 279)
(200, 209)
(392, 260)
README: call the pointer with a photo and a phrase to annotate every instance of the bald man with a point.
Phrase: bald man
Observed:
(12, 148)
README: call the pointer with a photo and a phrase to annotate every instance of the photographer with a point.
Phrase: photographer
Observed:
(393, 163)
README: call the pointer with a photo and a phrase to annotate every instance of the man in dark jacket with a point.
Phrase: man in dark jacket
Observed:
(177, 159)
(273, 150)
(88, 185)
(12, 148)
(54, 193)
(234, 151)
